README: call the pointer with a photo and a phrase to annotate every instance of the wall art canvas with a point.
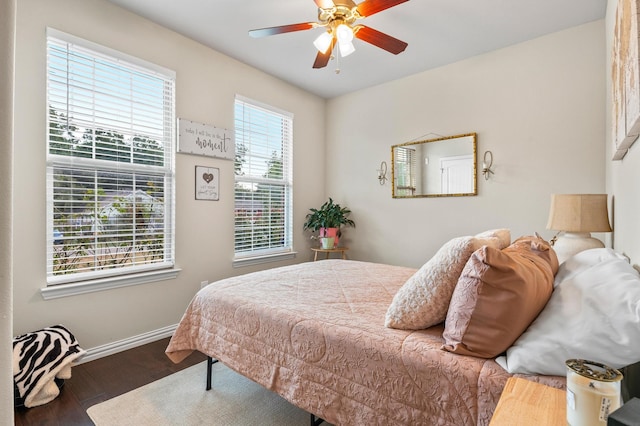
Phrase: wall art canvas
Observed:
(207, 183)
(625, 77)
(204, 139)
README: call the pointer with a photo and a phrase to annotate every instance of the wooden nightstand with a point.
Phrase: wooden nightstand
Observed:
(526, 403)
(341, 250)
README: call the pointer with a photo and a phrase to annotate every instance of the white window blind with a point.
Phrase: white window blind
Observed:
(263, 179)
(110, 164)
(405, 168)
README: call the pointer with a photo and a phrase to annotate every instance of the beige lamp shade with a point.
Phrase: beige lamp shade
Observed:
(579, 213)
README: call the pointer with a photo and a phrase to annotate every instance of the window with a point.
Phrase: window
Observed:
(263, 181)
(110, 165)
(405, 171)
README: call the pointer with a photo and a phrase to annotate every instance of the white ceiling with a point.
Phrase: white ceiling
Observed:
(439, 32)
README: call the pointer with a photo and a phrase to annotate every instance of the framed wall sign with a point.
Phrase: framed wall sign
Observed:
(203, 139)
(625, 77)
(207, 183)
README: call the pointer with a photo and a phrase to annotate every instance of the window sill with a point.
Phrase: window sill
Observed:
(65, 290)
(256, 260)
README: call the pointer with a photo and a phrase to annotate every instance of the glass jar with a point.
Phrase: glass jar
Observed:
(593, 392)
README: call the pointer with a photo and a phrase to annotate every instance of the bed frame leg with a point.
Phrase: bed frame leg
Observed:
(210, 362)
(316, 421)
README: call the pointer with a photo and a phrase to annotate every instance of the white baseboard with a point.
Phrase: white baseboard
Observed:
(128, 343)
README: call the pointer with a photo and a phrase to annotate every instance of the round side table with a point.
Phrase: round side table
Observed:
(327, 252)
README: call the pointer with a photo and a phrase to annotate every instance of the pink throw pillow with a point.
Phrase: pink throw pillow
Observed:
(498, 295)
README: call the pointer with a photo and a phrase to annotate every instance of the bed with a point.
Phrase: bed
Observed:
(315, 334)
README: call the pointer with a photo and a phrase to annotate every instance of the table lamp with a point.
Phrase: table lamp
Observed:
(576, 216)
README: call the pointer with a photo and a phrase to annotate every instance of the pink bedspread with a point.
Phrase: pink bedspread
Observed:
(314, 333)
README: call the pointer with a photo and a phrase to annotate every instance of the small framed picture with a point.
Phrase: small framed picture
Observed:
(207, 183)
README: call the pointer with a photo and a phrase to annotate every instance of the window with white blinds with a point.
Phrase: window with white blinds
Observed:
(110, 164)
(405, 171)
(263, 179)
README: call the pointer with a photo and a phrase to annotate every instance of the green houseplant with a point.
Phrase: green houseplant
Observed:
(328, 220)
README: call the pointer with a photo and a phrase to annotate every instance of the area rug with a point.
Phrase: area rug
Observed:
(181, 399)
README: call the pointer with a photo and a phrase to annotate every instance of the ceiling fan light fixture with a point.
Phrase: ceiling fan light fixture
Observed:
(344, 33)
(339, 19)
(346, 48)
(323, 41)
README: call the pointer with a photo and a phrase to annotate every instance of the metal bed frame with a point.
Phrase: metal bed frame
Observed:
(315, 421)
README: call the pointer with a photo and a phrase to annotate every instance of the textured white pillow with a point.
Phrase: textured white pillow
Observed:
(424, 299)
(502, 234)
(593, 314)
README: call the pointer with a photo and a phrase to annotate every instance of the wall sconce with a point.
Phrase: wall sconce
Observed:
(487, 162)
(382, 173)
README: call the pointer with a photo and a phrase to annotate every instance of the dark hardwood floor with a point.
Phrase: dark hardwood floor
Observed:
(102, 379)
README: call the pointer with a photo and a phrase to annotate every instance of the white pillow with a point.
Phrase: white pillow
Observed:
(583, 260)
(423, 300)
(502, 234)
(593, 314)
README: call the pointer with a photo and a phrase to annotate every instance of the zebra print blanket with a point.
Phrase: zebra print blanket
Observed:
(38, 359)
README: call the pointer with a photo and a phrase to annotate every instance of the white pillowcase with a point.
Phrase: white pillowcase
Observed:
(593, 314)
(423, 300)
(582, 261)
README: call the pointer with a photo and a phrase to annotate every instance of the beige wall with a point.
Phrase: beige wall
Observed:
(7, 28)
(623, 177)
(539, 106)
(207, 82)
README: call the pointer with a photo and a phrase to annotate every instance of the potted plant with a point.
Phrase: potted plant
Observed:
(327, 220)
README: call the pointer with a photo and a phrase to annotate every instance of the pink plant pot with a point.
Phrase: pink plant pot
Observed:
(330, 232)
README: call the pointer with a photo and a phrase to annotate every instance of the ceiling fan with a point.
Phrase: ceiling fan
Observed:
(339, 17)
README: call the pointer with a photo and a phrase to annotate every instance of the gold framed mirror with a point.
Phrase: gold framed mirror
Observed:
(441, 167)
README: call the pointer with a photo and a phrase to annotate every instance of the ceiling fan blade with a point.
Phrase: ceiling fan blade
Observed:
(381, 40)
(369, 7)
(324, 4)
(263, 32)
(322, 59)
